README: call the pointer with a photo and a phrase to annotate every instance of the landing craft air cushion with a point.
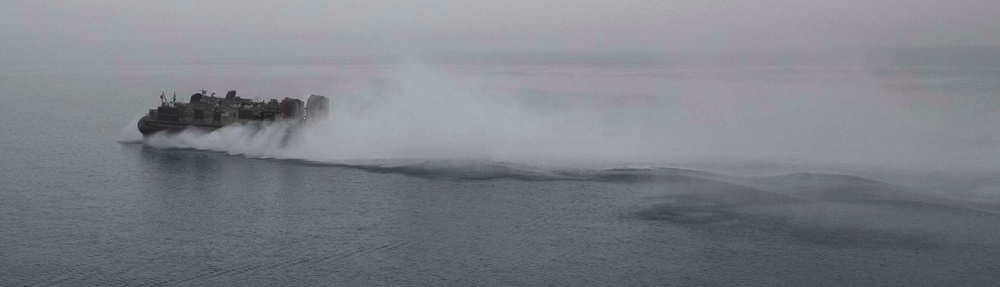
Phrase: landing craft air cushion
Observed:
(207, 112)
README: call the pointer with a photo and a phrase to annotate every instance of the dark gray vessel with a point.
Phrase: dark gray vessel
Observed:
(207, 112)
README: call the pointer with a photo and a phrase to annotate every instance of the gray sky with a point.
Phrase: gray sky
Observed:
(53, 31)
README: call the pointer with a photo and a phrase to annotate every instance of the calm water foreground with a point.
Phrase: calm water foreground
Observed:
(83, 202)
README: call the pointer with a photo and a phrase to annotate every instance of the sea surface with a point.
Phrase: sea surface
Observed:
(504, 172)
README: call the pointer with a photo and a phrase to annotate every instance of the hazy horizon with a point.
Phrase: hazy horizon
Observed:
(106, 31)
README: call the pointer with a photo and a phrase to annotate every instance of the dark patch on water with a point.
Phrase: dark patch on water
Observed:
(841, 237)
(919, 206)
(722, 220)
(688, 214)
(815, 209)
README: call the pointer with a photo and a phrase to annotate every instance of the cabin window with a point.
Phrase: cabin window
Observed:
(199, 115)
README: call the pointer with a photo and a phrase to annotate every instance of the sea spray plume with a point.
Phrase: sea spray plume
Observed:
(583, 116)
(252, 140)
(418, 112)
(128, 133)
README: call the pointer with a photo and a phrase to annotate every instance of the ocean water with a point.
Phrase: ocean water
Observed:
(506, 172)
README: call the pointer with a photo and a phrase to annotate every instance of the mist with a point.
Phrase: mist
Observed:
(501, 143)
(601, 116)
(59, 32)
(846, 82)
